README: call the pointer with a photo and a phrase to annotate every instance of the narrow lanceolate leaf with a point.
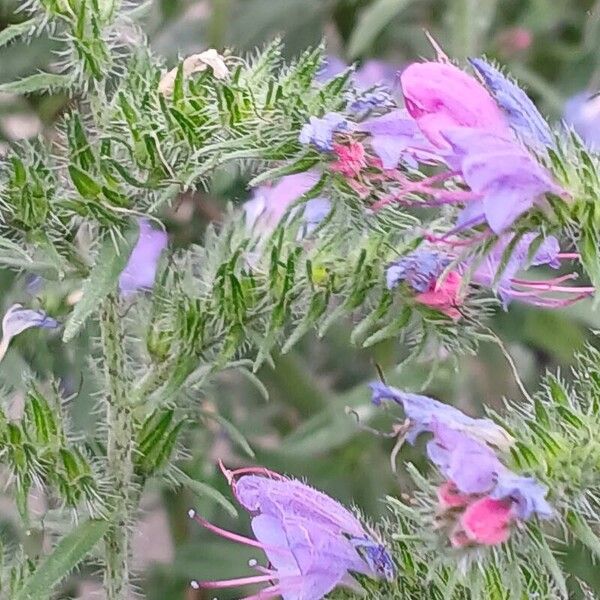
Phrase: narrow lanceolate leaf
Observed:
(68, 553)
(203, 490)
(371, 22)
(235, 434)
(583, 532)
(12, 32)
(38, 83)
(102, 281)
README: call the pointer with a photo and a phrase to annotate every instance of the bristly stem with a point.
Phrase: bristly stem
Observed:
(119, 452)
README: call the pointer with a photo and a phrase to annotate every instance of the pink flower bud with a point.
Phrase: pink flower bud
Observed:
(487, 521)
(351, 159)
(444, 295)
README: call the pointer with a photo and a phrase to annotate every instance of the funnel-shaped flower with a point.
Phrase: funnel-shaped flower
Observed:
(426, 413)
(17, 319)
(440, 96)
(140, 271)
(312, 542)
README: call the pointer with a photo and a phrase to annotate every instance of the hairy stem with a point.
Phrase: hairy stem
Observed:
(120, 442)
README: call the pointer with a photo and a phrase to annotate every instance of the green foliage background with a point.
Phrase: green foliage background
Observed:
(304, 428)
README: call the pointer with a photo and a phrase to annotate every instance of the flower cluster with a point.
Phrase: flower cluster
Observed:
(312, 542)
(480, 498)
(485, 142)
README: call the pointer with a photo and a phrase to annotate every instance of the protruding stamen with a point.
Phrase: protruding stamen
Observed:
(227, 583)
(195, 584)
(224, 533)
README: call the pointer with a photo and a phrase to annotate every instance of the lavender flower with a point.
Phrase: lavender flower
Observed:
(505, 179)
(520, 111)
(396, 136)
(312, 543)
(582, 112)
(269, 203)
(420, 269)
(425, 413)
(140, 271)
(17, 319)
(471, 465)
(319, 132)
(547, 293)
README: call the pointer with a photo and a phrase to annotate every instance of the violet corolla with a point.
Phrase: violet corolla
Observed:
(17, 319)
(312, 542)
(140, 271)
(480, 498)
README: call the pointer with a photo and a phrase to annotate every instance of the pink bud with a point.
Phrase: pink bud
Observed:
(351, 159)
(487, 521)
(440, 96)
(444, 295)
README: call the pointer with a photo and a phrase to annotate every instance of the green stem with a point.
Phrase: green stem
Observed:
(120, 436)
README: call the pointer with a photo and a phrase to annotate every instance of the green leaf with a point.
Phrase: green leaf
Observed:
(86, 186)
(370, 24)
(69, 552)
(101, 282)
(203, 490)
(38, 83)
(580, 528)
(17, 30)
(232, 431)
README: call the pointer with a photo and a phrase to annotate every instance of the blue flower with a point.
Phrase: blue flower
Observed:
(520, 111)
(320, 131)
(419, 269)
(425, 414)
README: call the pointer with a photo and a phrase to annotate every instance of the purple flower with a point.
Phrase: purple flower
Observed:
(475, 469)
(313, 543)
(506, 180)
(140, 271)
(527, 494)
(548, 292)
(396, 136)
(582, 112)
(546, 254)
(425, 413)
(420, 269)
(319, 132)
(17, 319)
(471, 465)
(269, 203)
(371, 73)
(520, 111)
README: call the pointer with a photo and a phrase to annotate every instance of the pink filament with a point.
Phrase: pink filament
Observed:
(239, 581)
(226, 534)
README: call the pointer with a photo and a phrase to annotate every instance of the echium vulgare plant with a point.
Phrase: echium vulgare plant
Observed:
(336, 227)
